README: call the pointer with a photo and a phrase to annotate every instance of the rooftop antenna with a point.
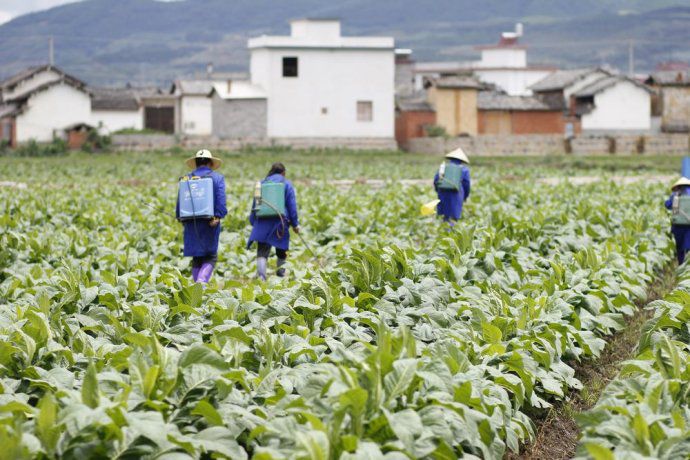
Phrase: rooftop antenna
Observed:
(51, 52)
(631, 58)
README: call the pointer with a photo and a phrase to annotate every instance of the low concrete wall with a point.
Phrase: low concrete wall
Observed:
(139, 142)
(674, 144)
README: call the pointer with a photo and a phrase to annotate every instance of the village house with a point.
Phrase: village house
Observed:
(193, 107)
(613, 104)
(320, 84)
(40, 103)
(500, 113)
(113, 109)
(455, 101)
(673, 88)
(557, 88)
(503, 64)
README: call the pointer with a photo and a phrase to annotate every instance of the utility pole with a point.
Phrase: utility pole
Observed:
(51, 52)
(631, 59)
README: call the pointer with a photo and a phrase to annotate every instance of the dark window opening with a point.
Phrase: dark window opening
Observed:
(289, 67)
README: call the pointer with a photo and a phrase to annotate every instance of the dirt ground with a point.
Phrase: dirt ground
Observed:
(557, 433)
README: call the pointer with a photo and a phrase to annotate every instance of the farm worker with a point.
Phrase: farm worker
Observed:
(273, 230)
(680, 226)
(452, 184)
(201, 235)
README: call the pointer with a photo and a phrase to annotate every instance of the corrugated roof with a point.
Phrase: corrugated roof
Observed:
(414, 105)
(492, 100)
(457, 82)
(239, 89)
(114, 99)
(670, 78)
(561, 79)
(605, 83)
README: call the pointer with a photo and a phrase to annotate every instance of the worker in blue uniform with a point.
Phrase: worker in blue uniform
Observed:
(452, 190)
(681, 233)
(274, 232)
(201, 235)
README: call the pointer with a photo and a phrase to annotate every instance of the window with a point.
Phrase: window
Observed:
(365, 111)
(289, 67)
(324, 110)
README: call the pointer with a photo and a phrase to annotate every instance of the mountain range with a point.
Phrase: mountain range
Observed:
(110, 42)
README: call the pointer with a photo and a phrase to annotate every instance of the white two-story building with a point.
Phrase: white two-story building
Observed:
(320, 84)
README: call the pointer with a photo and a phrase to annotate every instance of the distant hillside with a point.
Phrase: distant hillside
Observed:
(147, 41)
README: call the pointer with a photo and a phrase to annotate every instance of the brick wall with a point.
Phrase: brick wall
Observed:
(411, 124)
(538, 122)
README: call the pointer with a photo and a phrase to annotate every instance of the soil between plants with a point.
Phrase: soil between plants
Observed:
(557, 432)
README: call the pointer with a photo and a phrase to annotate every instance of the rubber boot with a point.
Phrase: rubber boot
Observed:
(205, 273)
(281, 271)
(195, 273)
(261, 265)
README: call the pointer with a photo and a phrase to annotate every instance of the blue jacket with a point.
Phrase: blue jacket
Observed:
(681, 233)
(200, 239)
(451, 203)
(271, 230)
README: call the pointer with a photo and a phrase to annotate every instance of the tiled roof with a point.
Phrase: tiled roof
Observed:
(31, 71)
(7, 109)
(492, 100)
(114, 99)
(670, 78)
(457, 82)
(561, 79)
(605, 83)
(413, 105)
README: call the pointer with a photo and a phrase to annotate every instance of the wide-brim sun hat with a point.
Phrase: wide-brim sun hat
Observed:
(458, 154)
(680, 182)
(215, 162)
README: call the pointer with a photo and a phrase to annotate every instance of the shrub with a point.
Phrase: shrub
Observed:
(435, 131)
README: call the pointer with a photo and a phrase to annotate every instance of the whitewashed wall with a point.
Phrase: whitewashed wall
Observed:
(115, 120)
(504, 57)
(622, 107)
(49, 112)
(196, 115)
(334, 79)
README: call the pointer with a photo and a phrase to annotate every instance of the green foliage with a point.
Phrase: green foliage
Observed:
(645, 412)
(96, 142)
(138, 131)
(435, 131)
(32, 148)
(405, 339)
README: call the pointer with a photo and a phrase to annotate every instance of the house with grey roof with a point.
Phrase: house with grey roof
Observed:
(556, 88)
(114, 109)
(40, 103)
(613, 104)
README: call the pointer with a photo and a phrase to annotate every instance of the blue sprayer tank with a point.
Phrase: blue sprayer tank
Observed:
(196, 197)
(685, 168)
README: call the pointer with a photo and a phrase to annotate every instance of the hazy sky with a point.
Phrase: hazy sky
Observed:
(12, 8)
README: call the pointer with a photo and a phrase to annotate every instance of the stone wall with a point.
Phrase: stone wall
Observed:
(674, 144)
(143, 142)
(239, 118)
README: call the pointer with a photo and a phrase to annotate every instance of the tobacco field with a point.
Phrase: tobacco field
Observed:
(401, 339)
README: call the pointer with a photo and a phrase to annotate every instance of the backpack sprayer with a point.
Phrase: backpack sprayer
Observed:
(269, 201)
(449, 176)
